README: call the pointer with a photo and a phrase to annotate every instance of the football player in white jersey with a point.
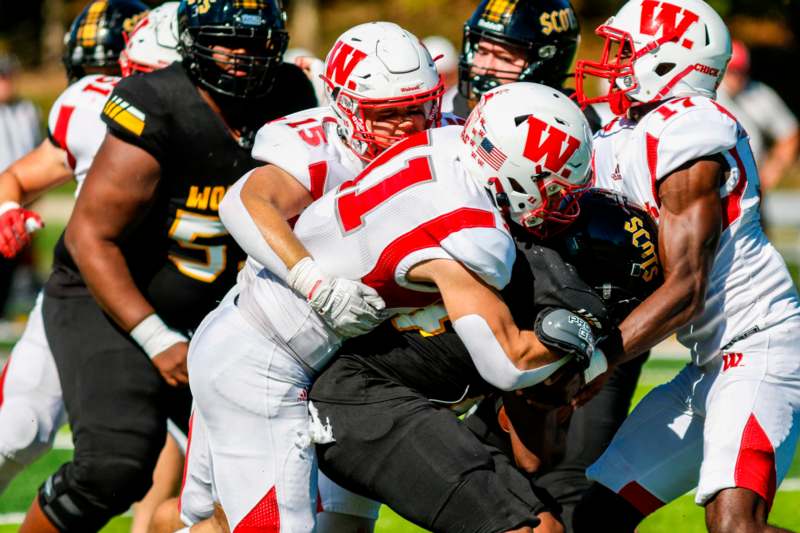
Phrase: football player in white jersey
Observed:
(31, 406)
(415, 221)
(313, 151)
(728, 423)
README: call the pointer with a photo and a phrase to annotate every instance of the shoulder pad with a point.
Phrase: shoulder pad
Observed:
(685, 129)
(294, 143)
(487, 252)
(88, 92)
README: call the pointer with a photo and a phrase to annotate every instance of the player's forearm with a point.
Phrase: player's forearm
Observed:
(107, 276)
(10, 191)
(277, 233)
(247, 233)
(669, 308)
(269, 214)
(33, 174)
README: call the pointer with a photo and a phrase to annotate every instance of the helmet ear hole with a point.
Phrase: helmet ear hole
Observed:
(516, 186)
(664, 68)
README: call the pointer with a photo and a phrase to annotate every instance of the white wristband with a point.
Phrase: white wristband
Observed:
(154, 336)
(8, 206)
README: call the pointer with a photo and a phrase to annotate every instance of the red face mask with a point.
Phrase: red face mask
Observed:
(615, 63)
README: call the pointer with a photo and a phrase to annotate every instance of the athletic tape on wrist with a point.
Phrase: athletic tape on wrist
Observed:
(8, 206)
(304, 277)
(154, 336)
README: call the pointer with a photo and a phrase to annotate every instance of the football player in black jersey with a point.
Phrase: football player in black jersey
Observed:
(504, 42)
(389, 397)
(145, 257)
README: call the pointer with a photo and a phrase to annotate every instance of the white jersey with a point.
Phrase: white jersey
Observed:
(307, 146)
(412, 204)
(749, 286)
(74, 122)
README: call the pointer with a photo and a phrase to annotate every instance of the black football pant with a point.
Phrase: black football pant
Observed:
(117, 405)
(416, 457)
(590, 431)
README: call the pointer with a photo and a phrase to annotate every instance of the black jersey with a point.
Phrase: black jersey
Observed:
(438, 365)
(178, 252)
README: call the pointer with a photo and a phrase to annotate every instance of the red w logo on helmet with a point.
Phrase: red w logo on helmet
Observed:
(550, 147)
(344, 59)
(666, 20)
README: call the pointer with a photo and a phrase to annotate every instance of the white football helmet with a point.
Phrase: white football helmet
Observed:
(374, 66)
(655, 50)
(531, 146)
(153, 42)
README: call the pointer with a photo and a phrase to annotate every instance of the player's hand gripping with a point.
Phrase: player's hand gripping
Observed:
(171, 364)
(16, 226)
(349, 307)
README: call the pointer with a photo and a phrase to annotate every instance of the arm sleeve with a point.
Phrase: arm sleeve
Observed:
(135, 114)
(488, 252)
(243, 229)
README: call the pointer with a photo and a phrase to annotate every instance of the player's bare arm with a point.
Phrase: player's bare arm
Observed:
(689, 230)
(41, 169)
(120, 183)
(465, 295)
(272, 196)
(25, 180)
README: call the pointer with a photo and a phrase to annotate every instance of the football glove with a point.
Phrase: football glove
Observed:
(16, 225)
(349, 307)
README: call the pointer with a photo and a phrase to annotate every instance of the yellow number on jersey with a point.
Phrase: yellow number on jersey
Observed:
(187, 228)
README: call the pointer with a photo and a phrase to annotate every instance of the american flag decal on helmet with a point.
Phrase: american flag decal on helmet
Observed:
(491, 154)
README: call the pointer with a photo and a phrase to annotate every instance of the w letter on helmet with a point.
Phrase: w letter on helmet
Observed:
(551, 147)
(667, 21)
(344, 59)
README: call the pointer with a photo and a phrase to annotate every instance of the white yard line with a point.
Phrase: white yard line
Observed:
(63, 441)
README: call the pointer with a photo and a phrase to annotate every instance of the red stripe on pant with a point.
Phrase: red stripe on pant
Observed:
(3, 378)
(264, 517)
(755, 465)
(640, 498)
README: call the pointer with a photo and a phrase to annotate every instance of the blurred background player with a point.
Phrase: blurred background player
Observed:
(19, 133)
(32, 408)
(772, 127)
(232, 82)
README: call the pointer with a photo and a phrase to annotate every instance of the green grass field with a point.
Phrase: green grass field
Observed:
(680, 516)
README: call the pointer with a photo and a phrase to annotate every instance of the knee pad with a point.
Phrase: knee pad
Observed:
(84, 497)
(19, 433)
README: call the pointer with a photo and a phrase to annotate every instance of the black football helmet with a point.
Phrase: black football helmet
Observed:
(96, 36)
(546, 30)
(256, 26)
(614, 247)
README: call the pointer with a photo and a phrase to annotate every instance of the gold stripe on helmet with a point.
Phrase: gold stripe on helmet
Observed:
(87, 31)
(499, 10)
